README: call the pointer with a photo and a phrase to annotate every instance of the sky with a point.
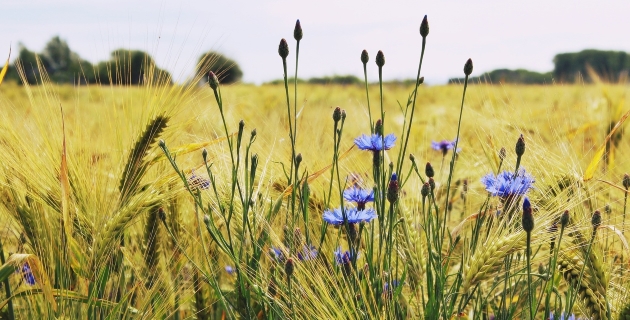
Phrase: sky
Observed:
(494, 33)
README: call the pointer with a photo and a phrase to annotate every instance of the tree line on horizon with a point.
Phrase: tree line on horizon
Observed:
(124, 67)
(584, 66)
(133, 67)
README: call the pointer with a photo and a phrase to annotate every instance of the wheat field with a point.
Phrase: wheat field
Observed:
(156, 201)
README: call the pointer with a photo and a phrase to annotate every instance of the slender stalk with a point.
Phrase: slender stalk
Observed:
(413, 107)
(532, 312)
(7, 287)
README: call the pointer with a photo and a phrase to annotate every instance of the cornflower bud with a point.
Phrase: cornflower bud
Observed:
(297, 32)
(424, 27)
(626, 181)
(393, 189)
(528, 217)
(412, 157)
(564, 219)
(502, 154)
(162, 144)
(380, 59)
(520, 146)
(365, 57)
(378, 127)
(468, 67)
(254, 133)
(432, 184)
(213, 81)
(426, 188)
(420, 80)
(241, 125)
(596, 220)
(206, 219)
(298, 159)
(283, 49)
(343, 115)
(428, 170)
(541, 269)
(337, 114)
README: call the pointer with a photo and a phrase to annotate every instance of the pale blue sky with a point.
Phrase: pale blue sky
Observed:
(495, 34)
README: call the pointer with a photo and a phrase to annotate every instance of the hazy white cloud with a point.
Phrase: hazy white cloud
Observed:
(493, 33)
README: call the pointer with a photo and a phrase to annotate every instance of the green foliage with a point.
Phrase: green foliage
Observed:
(505, 76)
(330, 80)
(130, 67)
(608, 65)
(225, 68)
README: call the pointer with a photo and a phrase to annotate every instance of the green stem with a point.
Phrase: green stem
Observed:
(532, 312)
(413, 107)
(7, 288)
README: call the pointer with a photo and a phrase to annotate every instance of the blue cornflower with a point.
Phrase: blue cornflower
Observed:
(358, 195)
(375, 142)
(229, 270)
(195, 181)
(444, 146)
(344, 257)
(307, 253)
(506, 185)
(562, 316)
(27, 274)
(335, 216)
(388, 289)
(277, 254)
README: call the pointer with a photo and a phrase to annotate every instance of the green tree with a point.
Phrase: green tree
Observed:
(226, 69)
(65, 66)
(608, 65)
(131, 67)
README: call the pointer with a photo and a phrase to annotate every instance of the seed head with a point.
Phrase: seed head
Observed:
(213, 81)
(378, 127)
(365, 57)
(564, 219)
(468, 67)
(380, 59)
(393, 189)
(528, 217)
(502, 154)
(297, 32)
(520, 146)
(337, 114)
(626, 181)
(298, 159)
(283, 49)
(424, 27)
(596, 219)
(428, 170)
(426, 188)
